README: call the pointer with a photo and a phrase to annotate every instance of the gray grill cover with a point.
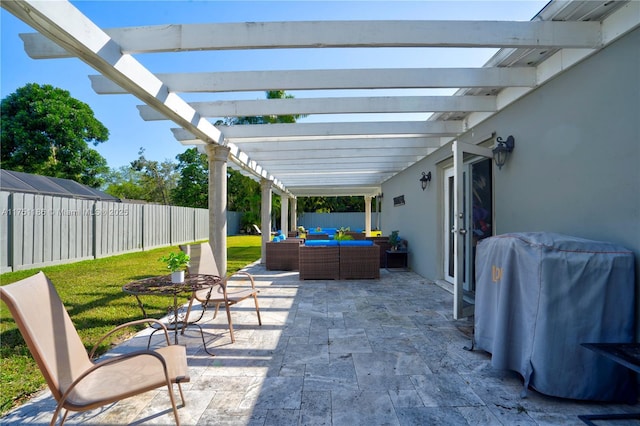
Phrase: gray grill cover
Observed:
(540, 295)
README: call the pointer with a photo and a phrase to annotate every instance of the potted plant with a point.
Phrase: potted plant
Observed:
(341, 235)
(394, 240)
(176, 263)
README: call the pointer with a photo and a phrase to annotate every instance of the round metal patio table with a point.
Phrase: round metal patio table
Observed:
(162, 286)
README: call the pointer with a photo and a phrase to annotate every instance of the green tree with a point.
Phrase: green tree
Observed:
(331, 204)
(244, 196)
(46, 131)
(157, 179)
(265, 119)
(193, 182)
(125, 183)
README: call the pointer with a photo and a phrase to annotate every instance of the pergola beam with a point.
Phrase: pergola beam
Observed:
(388, 78)
(288, 170)
(69, 28)
(431, 132)
(334, 191)
(334, 155)
(334, 105)
(331, 144)
(280, 131)
(319, 34)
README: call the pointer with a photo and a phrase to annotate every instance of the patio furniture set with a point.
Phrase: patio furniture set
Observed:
(77, 381)
(319, 257)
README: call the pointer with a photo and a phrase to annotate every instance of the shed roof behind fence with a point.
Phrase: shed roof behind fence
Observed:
(12, 181)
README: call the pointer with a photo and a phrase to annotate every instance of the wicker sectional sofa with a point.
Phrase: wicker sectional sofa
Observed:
(332, 260)
(325, 259)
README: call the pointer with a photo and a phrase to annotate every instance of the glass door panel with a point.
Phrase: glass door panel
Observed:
(471, 187)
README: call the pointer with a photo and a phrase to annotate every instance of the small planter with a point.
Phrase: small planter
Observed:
(394, 240)
(177, 277)
(176, 263)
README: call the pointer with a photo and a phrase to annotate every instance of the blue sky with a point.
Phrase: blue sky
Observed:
(128, 132)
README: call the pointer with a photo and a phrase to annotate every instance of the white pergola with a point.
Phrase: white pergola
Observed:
(334, 158)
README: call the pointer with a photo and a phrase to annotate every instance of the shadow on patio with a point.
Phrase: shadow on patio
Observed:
(355, 352)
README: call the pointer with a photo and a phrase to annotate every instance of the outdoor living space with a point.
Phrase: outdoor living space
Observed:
(343, 352)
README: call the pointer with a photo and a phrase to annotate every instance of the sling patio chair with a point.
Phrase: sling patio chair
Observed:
(76, 382)
(202, 262)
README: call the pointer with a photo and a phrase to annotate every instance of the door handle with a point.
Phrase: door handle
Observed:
(463, 231)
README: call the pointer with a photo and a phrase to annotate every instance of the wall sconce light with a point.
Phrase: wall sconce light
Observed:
(425, 179)
(502, 149)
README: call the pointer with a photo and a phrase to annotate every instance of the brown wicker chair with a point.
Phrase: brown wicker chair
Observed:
(359, 262)
(319, 262)
(283, 255)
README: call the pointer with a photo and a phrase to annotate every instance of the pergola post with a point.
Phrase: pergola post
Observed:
(367, 215)
(284, 214)
(218, 156)
(378, 208)
(265, 216)
(294, 214)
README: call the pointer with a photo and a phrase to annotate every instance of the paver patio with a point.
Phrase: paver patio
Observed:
(361, 352)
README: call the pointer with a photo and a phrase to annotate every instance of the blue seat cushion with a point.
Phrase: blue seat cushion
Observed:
(320, 243)
(356, 243)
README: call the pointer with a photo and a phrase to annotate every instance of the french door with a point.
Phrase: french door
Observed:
(468, 217)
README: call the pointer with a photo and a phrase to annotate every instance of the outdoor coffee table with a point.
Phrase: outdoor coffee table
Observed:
(162, 286)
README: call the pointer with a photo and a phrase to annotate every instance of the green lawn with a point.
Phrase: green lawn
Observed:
(91, 290)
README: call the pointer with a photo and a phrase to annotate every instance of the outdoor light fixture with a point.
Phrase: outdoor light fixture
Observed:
(425, 179)
(502, 149)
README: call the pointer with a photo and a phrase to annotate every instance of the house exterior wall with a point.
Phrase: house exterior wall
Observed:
(575, 168)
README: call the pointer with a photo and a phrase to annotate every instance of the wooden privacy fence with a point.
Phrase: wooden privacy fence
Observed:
(42, 230)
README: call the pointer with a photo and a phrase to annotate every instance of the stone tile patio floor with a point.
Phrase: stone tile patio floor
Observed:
(370, 352)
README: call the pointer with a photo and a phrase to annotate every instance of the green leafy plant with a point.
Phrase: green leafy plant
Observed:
(394, 239)
(176, 261)
(341, 235)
